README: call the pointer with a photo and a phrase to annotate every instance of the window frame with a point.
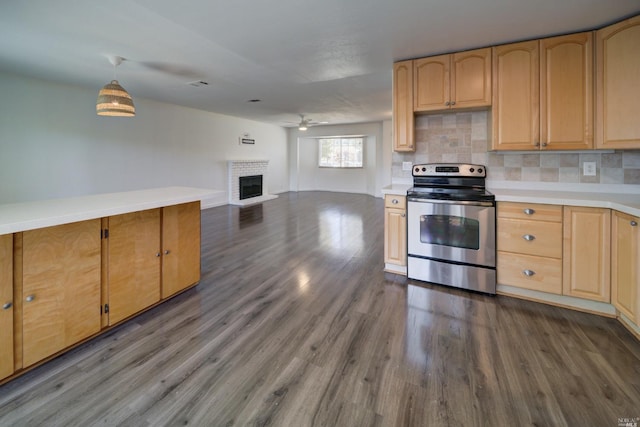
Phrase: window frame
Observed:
(342, 154)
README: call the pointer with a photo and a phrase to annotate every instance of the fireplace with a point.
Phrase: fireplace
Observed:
(254, 191)
(250, 186)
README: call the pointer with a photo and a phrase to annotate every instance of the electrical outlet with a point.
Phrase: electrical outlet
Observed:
(589, 168)
(406, 166)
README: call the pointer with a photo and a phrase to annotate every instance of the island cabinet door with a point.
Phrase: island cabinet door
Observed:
(133, 263)
(60, 287)
(180, 247)
(6, 305)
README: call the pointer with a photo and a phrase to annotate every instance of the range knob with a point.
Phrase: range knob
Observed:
(472, 170)
(424, 169)
(479, 170)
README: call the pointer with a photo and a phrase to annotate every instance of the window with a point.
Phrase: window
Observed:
(340, 152)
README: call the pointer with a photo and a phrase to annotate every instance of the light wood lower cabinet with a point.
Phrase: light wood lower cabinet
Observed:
(133, 264)
(586, 253)
(529, 240)
(625, 265)
(6, 305)
(395, 230)
(63, 284)
(60, 288)
(180, 247)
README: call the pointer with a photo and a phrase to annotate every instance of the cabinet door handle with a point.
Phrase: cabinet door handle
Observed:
(529, 211)
(529, 237)
(447, 103)
(633, 223)
(544, 144)
(166, 252)
(528, 273)
(453, 102)
(7, 306)
(403, 215)
(536, 144)
(158, 254)
(395, 201)
(30, 298)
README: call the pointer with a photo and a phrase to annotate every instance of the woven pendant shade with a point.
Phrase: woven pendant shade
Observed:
(113, 100)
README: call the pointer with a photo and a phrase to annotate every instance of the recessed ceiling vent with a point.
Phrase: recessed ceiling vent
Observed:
(198, 83)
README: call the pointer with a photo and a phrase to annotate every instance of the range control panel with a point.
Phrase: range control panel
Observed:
(449, 169)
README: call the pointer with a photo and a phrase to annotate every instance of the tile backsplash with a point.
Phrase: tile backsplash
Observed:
(464, 138)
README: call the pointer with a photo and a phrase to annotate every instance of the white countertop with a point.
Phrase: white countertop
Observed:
(18, 217)
(627, 203)
(624, 202)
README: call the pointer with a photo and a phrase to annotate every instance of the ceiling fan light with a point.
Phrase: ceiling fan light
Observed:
(302, 126)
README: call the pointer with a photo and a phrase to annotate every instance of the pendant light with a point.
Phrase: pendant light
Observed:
(113, 99)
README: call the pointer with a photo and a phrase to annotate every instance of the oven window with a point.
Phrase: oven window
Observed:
(448, 230)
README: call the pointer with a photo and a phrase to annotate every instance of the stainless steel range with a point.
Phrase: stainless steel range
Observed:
(451, 227)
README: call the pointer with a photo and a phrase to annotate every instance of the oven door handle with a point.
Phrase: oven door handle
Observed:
(451, 202)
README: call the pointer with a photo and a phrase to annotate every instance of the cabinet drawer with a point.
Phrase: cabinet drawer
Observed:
(530, 237)
(393, 201)
(530, 272)
(530, 211)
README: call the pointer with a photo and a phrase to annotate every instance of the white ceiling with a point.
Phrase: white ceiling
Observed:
(330, 59)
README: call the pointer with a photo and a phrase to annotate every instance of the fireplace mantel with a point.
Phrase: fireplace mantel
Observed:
(238, 168)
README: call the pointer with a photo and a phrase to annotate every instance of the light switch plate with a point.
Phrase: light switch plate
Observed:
(406, 166)
(589, 168)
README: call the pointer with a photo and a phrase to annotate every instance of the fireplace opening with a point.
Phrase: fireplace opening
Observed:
(250, 186)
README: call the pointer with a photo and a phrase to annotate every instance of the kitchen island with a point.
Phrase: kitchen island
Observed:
(73, 268)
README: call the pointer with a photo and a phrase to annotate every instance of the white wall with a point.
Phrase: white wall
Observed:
(305, 175)
(52, 144)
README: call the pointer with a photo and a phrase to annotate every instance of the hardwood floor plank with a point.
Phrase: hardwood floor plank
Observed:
(294, 323)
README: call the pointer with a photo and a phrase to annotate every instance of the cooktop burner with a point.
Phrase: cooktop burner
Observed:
(450, 181)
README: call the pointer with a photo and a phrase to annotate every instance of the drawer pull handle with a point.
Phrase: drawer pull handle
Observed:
(528, 273)
(167, 252)
(633, 223)
(30, 298)
(7, 306)
(403, 215)
(529, 237)
(529, 211)
(394, 201)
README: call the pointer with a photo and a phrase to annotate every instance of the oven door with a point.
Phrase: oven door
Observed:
(455, 231)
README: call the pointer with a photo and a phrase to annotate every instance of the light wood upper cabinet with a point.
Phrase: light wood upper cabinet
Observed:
(516, 96)
(543, 94)
(617, 88)
(625, 265)
(471, 78)
(6, 305)
(459, 80)
(586, 253)
(403, 120)
(134, 263)
(566, 92)
(395, 230)
(431, 90)
(60, 287)
(180, 247)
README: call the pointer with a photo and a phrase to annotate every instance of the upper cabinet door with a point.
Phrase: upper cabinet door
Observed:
(431, 83)
(566, 92)
(617, 87)
(516, 90)
(471, 78)
(403, 106)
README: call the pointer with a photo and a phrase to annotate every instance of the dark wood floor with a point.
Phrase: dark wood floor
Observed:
(295, 324)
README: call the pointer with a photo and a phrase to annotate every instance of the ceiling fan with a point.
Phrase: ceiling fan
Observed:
(306, 123)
